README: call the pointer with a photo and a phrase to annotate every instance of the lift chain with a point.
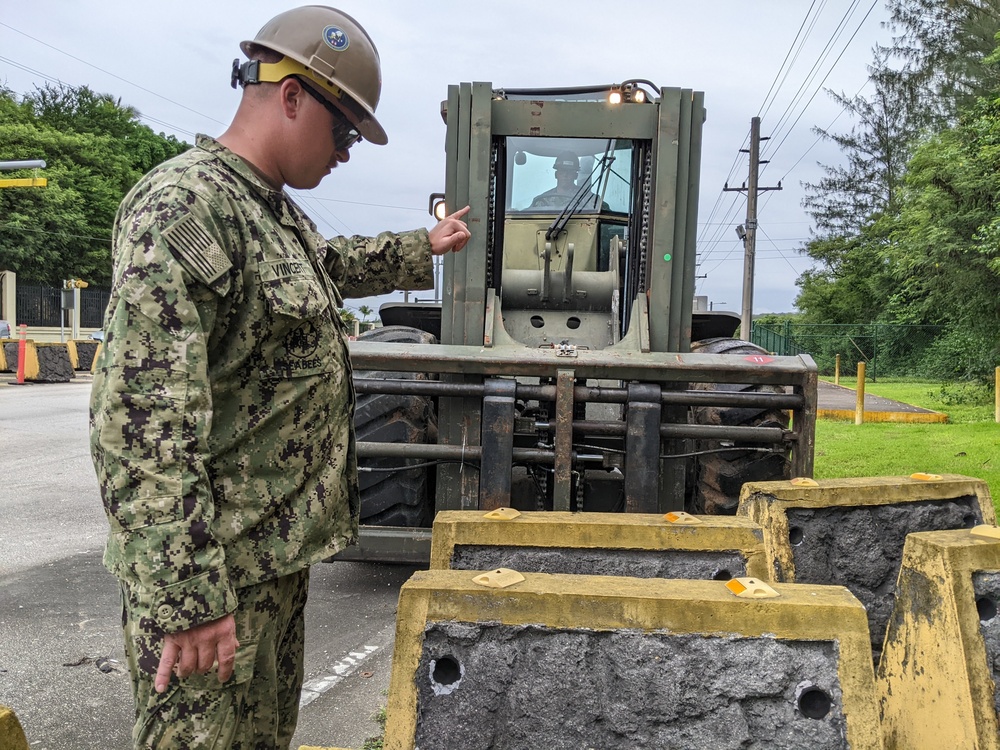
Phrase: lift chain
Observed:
(647, 191)
(491, 212)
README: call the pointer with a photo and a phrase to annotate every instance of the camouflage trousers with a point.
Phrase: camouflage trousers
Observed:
(257, 708)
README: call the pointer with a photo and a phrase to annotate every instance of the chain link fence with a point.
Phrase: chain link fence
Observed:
(888, 350)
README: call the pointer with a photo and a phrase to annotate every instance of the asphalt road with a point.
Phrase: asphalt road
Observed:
(61, 656)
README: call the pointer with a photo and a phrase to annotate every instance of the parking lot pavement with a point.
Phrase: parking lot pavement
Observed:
(60, 644)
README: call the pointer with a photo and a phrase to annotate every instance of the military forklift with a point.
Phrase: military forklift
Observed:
(565, 368)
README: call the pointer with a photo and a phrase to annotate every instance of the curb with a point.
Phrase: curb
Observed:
(847, 415)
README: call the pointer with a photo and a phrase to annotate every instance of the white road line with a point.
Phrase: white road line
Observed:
(344, 668)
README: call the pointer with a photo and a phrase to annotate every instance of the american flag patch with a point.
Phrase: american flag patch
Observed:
(195, 248)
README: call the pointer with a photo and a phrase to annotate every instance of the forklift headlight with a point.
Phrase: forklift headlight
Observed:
(436, 207)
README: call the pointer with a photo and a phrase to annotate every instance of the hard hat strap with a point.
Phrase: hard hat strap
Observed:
(255, 71)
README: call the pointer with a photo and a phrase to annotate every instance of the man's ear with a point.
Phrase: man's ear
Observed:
(290, 94)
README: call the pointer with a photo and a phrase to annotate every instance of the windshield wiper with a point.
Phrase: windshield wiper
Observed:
(575, 202)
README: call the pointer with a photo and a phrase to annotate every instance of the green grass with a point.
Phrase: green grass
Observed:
(968, 444)
(375, 743)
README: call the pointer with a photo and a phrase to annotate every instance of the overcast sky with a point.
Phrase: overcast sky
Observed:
(172, 62)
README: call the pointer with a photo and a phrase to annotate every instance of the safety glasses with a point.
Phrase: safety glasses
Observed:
(345, 134)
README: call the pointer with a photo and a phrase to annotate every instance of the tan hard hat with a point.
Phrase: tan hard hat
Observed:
(333, 52)
(567, 160)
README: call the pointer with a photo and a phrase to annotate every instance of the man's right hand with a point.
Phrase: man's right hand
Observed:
(450, 234)
(197, 650)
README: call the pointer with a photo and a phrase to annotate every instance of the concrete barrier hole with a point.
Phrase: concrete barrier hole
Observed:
(986, 607)
(814, 702)
(795, 536)
(446, 674)
(970, 521)
(573, 323)
(537, 321)
(722, 575)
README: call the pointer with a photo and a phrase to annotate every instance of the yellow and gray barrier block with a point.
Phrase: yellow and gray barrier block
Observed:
(43, 362)
(544, 660)
(11, 734)
(940, 670)
(850, 532)
(675, 545)
(54, 364)
(31, 367)
(74, 354)
(86, 352)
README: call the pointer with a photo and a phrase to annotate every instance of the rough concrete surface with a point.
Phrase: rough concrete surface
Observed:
(861, 547)
(10, 353)
(490, 686)
(669, 563)
(54, 365)
(85, 351)
(986, 585)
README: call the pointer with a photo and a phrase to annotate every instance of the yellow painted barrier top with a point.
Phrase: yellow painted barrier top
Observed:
(636, 531)
(11, 735)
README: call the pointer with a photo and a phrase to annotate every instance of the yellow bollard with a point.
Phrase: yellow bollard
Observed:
(859, 408)
(836, 371)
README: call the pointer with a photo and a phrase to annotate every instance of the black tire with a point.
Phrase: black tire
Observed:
(404, 497)
(718, 477)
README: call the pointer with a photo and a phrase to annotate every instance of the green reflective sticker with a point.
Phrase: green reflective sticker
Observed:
(666, 257)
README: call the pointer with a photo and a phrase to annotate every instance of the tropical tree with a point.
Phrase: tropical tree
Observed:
(946, 247)
(94, 150)
(943, 48)
(854, 205)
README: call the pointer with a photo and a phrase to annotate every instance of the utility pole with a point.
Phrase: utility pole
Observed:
(748, 233)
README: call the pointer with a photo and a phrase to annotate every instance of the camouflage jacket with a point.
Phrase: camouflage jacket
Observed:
(221, 425)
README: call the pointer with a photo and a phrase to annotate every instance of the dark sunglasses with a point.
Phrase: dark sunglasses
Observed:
(345, 134)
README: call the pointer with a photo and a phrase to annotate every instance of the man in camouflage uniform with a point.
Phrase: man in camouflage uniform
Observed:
(222, 401)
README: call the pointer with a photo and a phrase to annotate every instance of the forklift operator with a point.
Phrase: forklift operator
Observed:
(567, 169)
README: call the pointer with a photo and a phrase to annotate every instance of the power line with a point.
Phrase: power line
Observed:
(711, 244)
(795, 42)
(107, 72)
(827, 128)
(814, 70)
(332, 219)
(373, 205)
(761, 229)
(53, 79)
(819, 88)
(762, 112)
